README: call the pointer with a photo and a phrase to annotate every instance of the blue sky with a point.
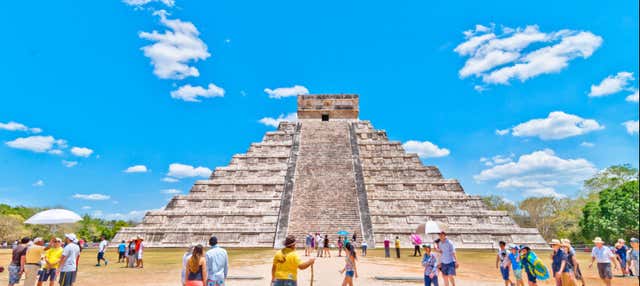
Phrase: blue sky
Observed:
(555, 79)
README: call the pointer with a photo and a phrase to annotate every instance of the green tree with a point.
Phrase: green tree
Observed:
(614, 215)
(542, 212)
(611, 177)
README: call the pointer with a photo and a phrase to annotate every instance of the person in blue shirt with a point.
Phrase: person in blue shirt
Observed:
(513, 262)
(430, 264)
(621, 253)
(122, 248)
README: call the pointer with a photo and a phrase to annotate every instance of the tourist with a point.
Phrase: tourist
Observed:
(82, 244)
(387, 244)
(416, 241)
(197, 269)
(308, 244)
(122, 249)
(217, 263)
(602, 255)
(397, 242)
(131, 254)
(139, 252)
(327, 250)
(286, 262)
(185, 261)
(430, 264)
(514, 263)
(68, 267)
(354, 237)
(633, 257)
(32, 260)
(560, 266)
(350, 270)
(448, 259)
(526, 259)
(51, 262)
(16, 267)
(313, 244)
(364, 245)
(569, 276)
(340, 246)
(320, 244)
(102, 248)
(501, 263)
(575, 265)
(621, 256)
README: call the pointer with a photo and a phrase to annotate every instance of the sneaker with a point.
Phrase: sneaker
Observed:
(106, 262)
(98, 265)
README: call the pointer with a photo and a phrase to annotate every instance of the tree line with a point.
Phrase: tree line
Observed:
(607, 206)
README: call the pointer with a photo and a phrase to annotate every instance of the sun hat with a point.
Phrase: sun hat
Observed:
(621, 240)
(598, 240)
(38, 239)
(426, 245)
(289, 241)
(555, 242)
(565, 241)
(633, 239)
(71, 237)
(512, 246)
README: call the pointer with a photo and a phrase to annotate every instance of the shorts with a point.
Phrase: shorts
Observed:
(120, 255)
(215, 283)
(518, 274)
(350, 273)
(100, 255)
(14, 274)
(66, 278)
(448, 269)
(604, 270)
(505, 273)
(285, 283)
(47, 275)
(193, 283)
(139, 255)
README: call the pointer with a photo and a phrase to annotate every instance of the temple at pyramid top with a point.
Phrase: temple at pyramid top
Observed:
(328, 171)
(327, 107)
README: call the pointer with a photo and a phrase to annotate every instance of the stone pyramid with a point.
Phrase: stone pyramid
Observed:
(328, 171)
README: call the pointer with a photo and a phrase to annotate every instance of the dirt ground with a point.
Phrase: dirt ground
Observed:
(162, 267)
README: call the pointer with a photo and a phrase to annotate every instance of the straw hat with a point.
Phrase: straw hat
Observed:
(621, 240)
(598, 240)
(565, 241)
(555, 242)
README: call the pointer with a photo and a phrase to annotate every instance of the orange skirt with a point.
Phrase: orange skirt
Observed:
(194, 283)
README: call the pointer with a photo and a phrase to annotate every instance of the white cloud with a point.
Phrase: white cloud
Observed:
(15, 126)
(170, 180)
(270, 121)
(140, 3)
(612, 84)
(134, 215)
(545, 192)
(497, 160)
(633, 97)
(498, 58)
(81, 151)
(136, 169)
(91, 197)
(425, 149)
(587, 144)
(38, 144)
(558, 125)
(180, 171)
(171, 191)
(631, 126)
(191, 93)
(86, 207)
(538, 171)
(502, 132)
(173, 51)
(286, 91)
(38, 183)
(69, 164)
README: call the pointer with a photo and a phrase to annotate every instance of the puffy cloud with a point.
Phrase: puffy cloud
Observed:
(631, 126)
(497, 160)
(180, 171)
(136, 169)
(91, 197)
(134, 215)
(81, 151)
(498, 58)
(587, 144)
(545, 192)
(69, 164)
(176, 48)
(191, 93)
(286, 91)
(612, 84)
(140, 3)
(270, 121)
(502, 132)
(38, 183)
(538, 172)
(171, 191)
(38, 144)
(15, 126)
(425, 149)
(633, 97)
(170, 180)
(558, 125)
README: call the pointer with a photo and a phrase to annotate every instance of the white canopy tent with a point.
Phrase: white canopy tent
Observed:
(54, 217)
(430, 229)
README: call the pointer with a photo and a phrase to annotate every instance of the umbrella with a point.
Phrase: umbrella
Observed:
(431, 227)
(343, 233)
(54, 216)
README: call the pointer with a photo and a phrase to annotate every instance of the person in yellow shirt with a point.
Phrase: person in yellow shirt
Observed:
(397, 247)
(286, 263)
(32, 261)
(52, 260)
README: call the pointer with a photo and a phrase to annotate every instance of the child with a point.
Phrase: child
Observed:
(430, 264)
(122, 248)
